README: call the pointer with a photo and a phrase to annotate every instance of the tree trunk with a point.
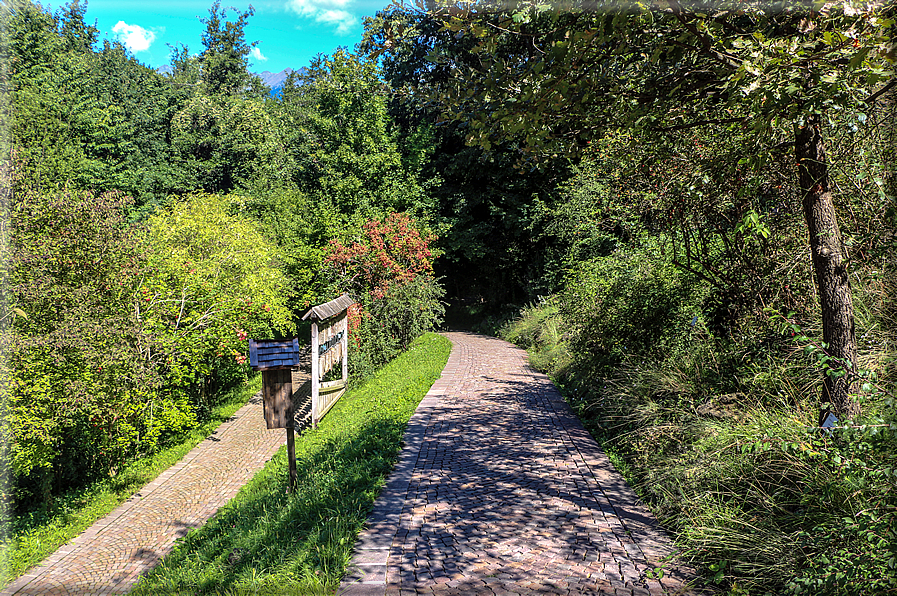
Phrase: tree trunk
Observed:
(830, 267)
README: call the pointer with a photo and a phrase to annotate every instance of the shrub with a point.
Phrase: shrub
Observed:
(389, 270)
(212, 281)
(79, 382)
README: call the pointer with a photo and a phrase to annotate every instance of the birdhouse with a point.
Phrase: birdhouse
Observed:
(276, 358)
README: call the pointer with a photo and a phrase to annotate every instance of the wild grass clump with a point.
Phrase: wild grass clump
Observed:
(270, 542)
(540, 329)
(718, 434)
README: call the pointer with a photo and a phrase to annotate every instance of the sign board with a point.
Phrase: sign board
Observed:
(275, 358)
(329, 347)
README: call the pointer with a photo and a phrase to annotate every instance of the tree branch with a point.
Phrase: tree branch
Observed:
(700, 123)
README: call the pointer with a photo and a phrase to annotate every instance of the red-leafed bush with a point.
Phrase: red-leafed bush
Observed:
(389, 270)
(392, 251)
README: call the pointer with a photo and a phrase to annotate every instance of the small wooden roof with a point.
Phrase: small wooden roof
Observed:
(270, 354)
(329, 309)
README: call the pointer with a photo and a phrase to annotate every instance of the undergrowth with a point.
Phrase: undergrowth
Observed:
(718, 436)
(271, 542)
(34, 535)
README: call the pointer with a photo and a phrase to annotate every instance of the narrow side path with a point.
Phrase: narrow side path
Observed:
(110, 555)
(500, 490)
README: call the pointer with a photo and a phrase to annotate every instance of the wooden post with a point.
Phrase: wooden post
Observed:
(345, 347)
(291, 452)
(315, 375)
(275, 358)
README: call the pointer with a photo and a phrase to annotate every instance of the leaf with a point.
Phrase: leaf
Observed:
(858, 58)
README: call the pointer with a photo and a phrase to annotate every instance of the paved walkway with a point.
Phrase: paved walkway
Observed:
(109, 557)
(500, 490)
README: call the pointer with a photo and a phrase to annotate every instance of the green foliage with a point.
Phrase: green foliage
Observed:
(224, 60)
(35, 534)
(126, 335)
(389, 270)
(212, 281)
(301, 227)
(630, 303)
(94, 119)
(269, 541)
(553, 76)
(79, 384)
(338, 136)
(224, 143)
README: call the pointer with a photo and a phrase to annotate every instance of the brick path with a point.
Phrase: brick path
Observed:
(109, 556)
(500, 490)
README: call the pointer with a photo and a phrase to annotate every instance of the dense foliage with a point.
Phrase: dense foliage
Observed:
(156, 222)
(700, 206)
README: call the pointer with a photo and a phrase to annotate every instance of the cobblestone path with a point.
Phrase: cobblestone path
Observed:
(500, 490)
(109, 556)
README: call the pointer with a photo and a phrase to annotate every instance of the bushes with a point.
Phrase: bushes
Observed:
(77, 378)
(389, 270)
(211, 282)
(632, 303)
(125, 331)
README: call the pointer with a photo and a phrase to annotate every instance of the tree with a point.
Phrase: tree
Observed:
(553, 80)
(224, 61)
(213, 280)
(78, 35)
(338, 133)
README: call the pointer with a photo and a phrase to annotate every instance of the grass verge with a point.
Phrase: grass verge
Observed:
(269, 542)
(35, 536)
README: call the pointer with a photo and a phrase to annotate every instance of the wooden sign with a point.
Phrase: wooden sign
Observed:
(277, 393)
(276, 359)
(329, 347)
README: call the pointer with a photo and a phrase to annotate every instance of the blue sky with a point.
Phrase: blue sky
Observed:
(289, 32)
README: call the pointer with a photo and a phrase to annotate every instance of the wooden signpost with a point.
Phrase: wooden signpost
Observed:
(329, 346)
(276, 358)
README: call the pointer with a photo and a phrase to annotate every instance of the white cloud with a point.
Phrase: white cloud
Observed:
(329, 12)
(257, 54)
(134, 37)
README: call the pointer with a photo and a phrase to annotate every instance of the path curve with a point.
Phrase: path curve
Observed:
(500, 490)
(110, 556)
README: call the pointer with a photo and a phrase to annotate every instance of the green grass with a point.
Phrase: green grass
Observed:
(270, 542)
(35, 536)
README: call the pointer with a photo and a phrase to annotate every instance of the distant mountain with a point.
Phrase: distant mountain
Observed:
(274, 80)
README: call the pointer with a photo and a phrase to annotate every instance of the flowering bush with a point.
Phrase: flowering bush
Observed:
(389, 270)
(391, 252)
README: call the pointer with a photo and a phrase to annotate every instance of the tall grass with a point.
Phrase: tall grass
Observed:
(718, 437)
(268, 541)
